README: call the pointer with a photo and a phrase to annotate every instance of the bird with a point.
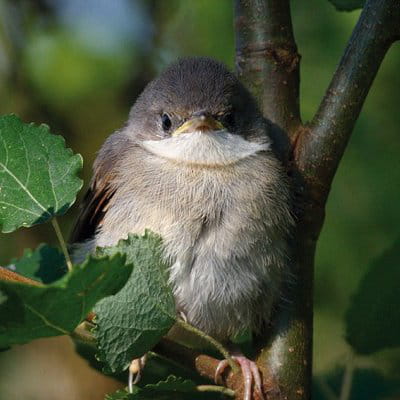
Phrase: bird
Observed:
(195, 163)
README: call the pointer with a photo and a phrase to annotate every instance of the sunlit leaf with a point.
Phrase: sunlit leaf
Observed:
(38, 174)
(130, 323)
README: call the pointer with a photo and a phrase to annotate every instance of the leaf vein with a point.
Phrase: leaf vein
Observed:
(50, 175)
(19, 208)
(28, 176)
(24, 188)
(45, 320)
(5, 148)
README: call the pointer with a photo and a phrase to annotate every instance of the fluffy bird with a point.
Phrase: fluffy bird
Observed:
(194, 164)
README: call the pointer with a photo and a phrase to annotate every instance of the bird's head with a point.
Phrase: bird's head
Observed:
(198, 112)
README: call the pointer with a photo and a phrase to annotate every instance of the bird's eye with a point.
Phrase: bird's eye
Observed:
(228, 119)
(166, 122)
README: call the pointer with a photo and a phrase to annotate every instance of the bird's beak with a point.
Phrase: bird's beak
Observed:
(202, 123)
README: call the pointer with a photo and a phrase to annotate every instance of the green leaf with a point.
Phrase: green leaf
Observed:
(132, 322)
(38, 175)
(367, 384)
(171, 384)
(45, 264)
(122, 394)
(347, 5)
(172, 387)
(32, 312)
(3, 298)
(373, 318)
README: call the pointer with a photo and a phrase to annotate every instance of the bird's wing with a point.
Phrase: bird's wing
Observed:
(94, 204)
(92, 210)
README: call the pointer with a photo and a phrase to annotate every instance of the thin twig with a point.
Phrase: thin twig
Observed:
(83, 333)
(61, 240)
(347, 379)
(210, 340)
(217, 389)
(11, 276)
(321, 146)
(327, 391)
(204, 364)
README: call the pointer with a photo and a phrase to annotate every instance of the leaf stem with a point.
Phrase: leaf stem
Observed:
(61, 240)
(347, 379)
(83, 333)
(210, 340)
(11, 276)
(214, 388)
(326, 390)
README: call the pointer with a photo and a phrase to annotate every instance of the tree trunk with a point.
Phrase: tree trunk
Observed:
(268, 63)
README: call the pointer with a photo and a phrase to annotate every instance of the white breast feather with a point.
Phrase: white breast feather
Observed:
(211, 148)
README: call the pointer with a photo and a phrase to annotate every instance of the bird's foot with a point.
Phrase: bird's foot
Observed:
(135, 371)
(250, 373)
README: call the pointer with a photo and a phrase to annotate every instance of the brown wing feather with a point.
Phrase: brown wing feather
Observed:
(93, 207)
(101, 190)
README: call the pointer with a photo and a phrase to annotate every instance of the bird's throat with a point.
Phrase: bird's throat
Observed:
(209, 149)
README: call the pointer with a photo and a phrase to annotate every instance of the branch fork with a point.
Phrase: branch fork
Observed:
(268, 64)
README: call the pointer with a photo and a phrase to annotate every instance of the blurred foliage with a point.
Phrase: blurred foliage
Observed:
(347, 5)
(367, 384)
(374, 307)
(75, 71)
(78, 66)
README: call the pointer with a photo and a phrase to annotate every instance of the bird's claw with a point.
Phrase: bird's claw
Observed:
(250, 373)
(135, 371)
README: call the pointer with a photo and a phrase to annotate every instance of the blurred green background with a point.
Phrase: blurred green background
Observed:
(78, 67)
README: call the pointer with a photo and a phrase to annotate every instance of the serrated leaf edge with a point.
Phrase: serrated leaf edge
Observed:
(62, 284)
(76, 166)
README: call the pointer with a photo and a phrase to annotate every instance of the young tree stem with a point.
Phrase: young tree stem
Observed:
(320, 147)
(210, 340)
(216, 389)
(61, 240)
(347, 379)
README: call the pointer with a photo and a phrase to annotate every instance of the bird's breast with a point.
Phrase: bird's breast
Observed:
(217, 226)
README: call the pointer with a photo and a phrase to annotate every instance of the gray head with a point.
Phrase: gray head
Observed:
(195, 94)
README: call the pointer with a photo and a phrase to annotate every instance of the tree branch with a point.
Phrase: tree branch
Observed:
(206, 366)
(321, 146)
(8, 275)
(268, 63)
(263, 27)
(267, 60)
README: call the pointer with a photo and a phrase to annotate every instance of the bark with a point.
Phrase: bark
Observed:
(8, 275)
(268, 63)
(320, 147)
(263, 31)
